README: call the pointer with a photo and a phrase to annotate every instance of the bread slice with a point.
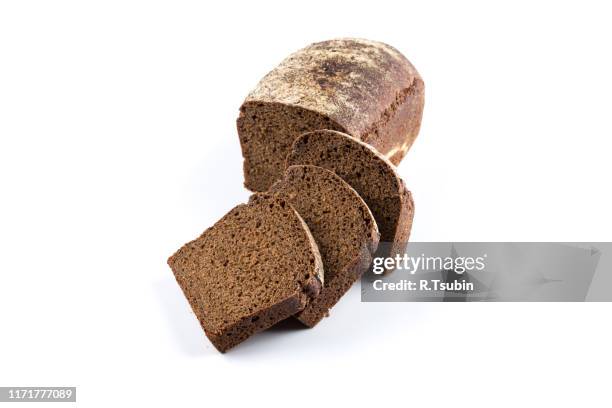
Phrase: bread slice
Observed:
(363, 88)
(342, 226)
(257, 266)
(370, 174)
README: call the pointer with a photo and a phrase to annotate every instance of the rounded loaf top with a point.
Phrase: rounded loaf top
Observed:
(335, 77)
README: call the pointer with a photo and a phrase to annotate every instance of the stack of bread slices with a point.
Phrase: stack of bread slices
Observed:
(321, 135)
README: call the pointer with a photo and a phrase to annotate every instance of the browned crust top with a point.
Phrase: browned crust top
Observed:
(350, 80)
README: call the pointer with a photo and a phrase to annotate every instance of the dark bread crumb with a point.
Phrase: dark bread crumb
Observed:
(267, 131)
(369, 173)
(255, 267)
(342, 226)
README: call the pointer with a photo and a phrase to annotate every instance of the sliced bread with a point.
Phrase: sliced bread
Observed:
(342, 225)
(371, 174)
(256, 266)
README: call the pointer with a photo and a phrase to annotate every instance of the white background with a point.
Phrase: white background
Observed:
(118, 144)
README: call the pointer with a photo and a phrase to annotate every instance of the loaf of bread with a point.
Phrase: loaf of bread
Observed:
(321, 135)
(371, 174)
(257, 266)
(363, 88)
(342, 226)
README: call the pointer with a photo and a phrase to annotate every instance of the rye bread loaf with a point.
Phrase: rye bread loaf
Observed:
(371, 174)
(257, 266)
(343, 228)
(364, 88)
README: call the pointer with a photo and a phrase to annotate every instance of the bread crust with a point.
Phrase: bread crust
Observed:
(267, 318)
(404, 225)
(367, 88)
(341, 278)
(316, 309)
(394, 244)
